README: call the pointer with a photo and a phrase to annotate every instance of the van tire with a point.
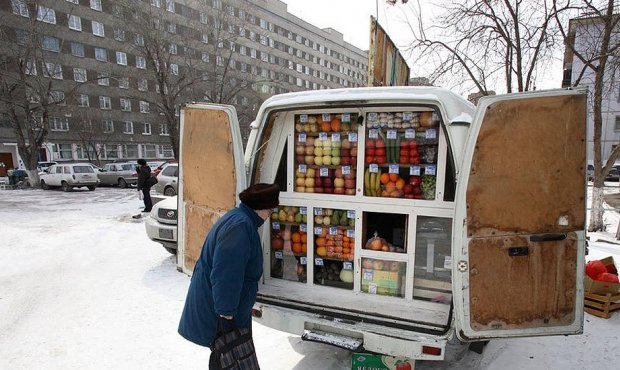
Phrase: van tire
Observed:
(122, 183)
(169, 191)
(44, 185)
(65, 186)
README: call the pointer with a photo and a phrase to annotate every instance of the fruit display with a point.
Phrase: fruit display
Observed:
(289, 238)
(377, 243)
(382, 277)
(400, 150)
(326, 153)
(334, 234)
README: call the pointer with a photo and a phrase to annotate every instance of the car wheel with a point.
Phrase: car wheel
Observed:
(92, 188)
(65, 186)
(171, 250)
(169, 191)
(44, 185)
(122, 183)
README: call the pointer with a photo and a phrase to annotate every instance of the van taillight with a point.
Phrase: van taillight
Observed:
(433, 351)
(257, 313)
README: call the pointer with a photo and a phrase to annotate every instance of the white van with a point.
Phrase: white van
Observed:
(407, 216)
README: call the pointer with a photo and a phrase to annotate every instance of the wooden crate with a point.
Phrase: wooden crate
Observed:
(601, 305)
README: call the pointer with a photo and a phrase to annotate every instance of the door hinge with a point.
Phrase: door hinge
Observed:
(462, 266)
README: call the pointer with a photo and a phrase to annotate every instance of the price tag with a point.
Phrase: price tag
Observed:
(333, 230)
(350, 233)
(303, 260)
(351, 213)
(373, 133)
(368, 275)
(302, 138)
(323, 136)
(353, 136)
(391, 134)
(373, 117)
(303, 211)
(318, 230)
(327, 117)
(394, 168)
(414, 170)
(335, 137)
(347, 265)
(407, 116)
(278, 255)
(318, 211)
(324, 172)
(303, 228)
(318, 261)
(447, 262)
(346, 117)
(431, 133)
(303, 118)
(409, 133)
(275, 225)
(430, 170)
(346, 170)
(372, 288)
(302, 168)
(373, 167)
(275, 209)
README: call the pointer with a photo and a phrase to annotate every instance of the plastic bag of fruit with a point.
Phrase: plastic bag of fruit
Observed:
(377, 244)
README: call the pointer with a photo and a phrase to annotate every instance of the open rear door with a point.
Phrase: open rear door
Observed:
(211, 174)
(520, 218)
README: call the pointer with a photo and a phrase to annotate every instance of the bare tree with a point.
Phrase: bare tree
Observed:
(593, 40)
(93, 130)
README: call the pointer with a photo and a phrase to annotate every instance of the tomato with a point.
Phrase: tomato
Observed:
(403, 366)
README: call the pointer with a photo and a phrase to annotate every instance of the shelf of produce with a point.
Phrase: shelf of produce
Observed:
(406, 165)
(286, 223)
(331, 166)
(316, 134)
(334, 283)
(335, 259)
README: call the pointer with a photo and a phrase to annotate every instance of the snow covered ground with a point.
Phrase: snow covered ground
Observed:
(82, 287)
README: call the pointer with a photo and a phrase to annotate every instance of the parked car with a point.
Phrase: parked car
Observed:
(42, 166)
(69, 176)
(158, 169)
(155, 164)
(613, 175)
(167, 180)
(121, 174)
(161, 226)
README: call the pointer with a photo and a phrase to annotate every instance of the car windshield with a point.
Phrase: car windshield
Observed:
(83, 169)
(129, 167)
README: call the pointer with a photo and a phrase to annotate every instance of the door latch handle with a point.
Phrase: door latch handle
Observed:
(518, 251)
(547, 237)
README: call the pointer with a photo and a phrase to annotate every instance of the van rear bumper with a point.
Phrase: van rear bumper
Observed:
(375, 338)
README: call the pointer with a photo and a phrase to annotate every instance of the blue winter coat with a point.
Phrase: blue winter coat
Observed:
(225, 278)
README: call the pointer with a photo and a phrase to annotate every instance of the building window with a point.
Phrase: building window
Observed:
(59, 124)
(123, 82)
(103, 79)
(144, 107)
(170, 6)
(79, 74)
(95, 4)
(165, 151)
(85, 153)
(205, 38)
(52, 70)
(83, 101)
(217, 4)
(204, 18)
(141, 62)
(111, 151)
(130, 151)
(20, 7)
(46, 15)
(147, 129)
(149, 151)
(101, 54)
(31, 68)
(143, 85)
(617, 124)
(163, 129)
(174, 69)
(57, 97)
(62, 151)
(98, 29)
(77, 49)
(172, 49)
(219, 61)
(104, 102)
(205, 57)
(119, 35)
(125, 105)
(121, 58)
(75, 23)
(50, 43)
(139, 40)
(172, 28)
(156, 3)
(108, 126)
(263, 24)
(127, 127)
(253, 53)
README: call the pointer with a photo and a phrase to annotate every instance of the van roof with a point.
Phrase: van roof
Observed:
(453, 104)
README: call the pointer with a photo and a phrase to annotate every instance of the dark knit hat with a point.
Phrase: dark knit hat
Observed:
(261, 196)
(142, 162)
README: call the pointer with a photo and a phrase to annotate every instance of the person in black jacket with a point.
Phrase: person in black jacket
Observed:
(144, 174)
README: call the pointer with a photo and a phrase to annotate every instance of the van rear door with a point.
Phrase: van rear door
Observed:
(520, 218)
(211, 174)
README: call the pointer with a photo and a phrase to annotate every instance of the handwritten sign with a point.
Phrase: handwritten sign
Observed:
(346, 117)
(324, 172)
(318, 261)
(323, 136)
(347, 265)
(346, 170)
(409, 133)
(431, 133)
(430, 170)
(414, 170)
(391, 134)
(394, 168)
(303, 118)
(353, 136)
(303, 260)
(373, 133)
(278, 255)
(303, 228)
(318, 230)
(351, 213)
(275, 225)
(335, 137)
(350, 233)
(301, 138)
(318, 211)
(373, 167)
(327, 117)
(302, 168)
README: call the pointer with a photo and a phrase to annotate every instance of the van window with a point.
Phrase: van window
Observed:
(281, 174)
(170, 171)
(83, 169)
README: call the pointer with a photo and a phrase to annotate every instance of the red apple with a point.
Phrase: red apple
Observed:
(319, 189)
(328, 190)
(327, 182)
(338, 172)
(417, 190)
(370, 143)
(345, 161)
(403, 160)
(415, 180)
(349, 191)
(409, 196)
(339, 191)
(353, 152)
(349, 183)
(371, 152)
(299, 159)
(408, 189)
(318, 181)
(351, 175)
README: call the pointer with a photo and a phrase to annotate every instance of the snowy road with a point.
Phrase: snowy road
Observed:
(82, 287)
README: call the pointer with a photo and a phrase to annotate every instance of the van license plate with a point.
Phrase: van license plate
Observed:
(165, 234)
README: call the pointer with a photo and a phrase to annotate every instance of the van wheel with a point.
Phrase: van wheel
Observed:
(169, 191)
(91, 188)
(44, 185)
(171, 250)
(122, 183)
(65, 186)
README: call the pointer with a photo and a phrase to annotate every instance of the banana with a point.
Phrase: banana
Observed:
(372, 184)
(367, 180)
(377, 184)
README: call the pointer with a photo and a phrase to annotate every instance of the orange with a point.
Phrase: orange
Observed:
(304, 248)
(400, 183)
(395, 194)
(385, 178)
(335, 125)
(394, 177)
(326, 126)
(320, 242)
(297, 248)
(321, 251)
(295, 237)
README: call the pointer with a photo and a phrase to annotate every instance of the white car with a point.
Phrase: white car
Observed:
(161, 226)
(167, 180)
(69, 176)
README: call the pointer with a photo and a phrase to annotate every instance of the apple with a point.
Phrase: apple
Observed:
(327, 160)
(328, 183)
(318, 152)
(310, 141)
(353, 159)
(300, 189)
(311, 172)
(417, 190)
(335, 152)
(318, 143)
(339, 191)
(309, 190)
(338, 172)
(370, 143)
(299, 158)
(339, 182)
(306, 127)
(314, 127)
(309, 150)
(349, 183)
(329, 190)
(349, 191)
(345, 161)
(336, 161)
(345, 152)
(409, 196)
(408, 189)
(300, 149)
(300, 181)
(366, 263)
(382, 159)
(351, 175)
(318, 181)
(336, 145)
(371, 152)
(353, 152)
(318, 189)
(318, 161)
(346, 144)
(309, 160)
(309, 182)
(327, 144)
(415, 180)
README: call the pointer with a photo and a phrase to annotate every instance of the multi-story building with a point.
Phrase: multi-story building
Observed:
(115, 113)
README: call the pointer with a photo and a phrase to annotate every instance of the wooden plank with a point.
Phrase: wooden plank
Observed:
(595, 305)
(597, 313)
(432, 284)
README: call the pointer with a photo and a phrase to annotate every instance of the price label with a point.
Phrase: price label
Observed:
(303, 211)
(323, 136)
(333, 230)
(324, 172)
(275, 225)
(318, 211)
(373, 167)
(335, 137)
(430, 170)
(346, 117)
(431, 133)
(414, 170)
(303, 228)
(318, 261)
(351, 213)
(373, 133)
(350, 233)
(301, 138)
(303, 118)
(391, 134)
(346, 170)
(353, 136)
(347, 265)
(409, 133)
(373, 117)
(275, 209)
(303, 260)
(327, 117)
(278, 255)
(302, 168)
(368, 275)
(372, 288)
(318, 230)
(407, 116)
(447, 262)
(394, 168)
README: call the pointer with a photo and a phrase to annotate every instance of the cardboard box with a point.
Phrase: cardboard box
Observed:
(368, 361)
(381, 282)
(601, 287)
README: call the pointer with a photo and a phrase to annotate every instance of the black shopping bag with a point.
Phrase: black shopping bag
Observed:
(233, 350)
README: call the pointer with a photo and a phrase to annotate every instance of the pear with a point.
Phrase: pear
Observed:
(298, 218)
(282, 215)
(327, 220)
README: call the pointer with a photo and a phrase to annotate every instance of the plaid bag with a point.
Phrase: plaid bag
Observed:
(233, 350)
